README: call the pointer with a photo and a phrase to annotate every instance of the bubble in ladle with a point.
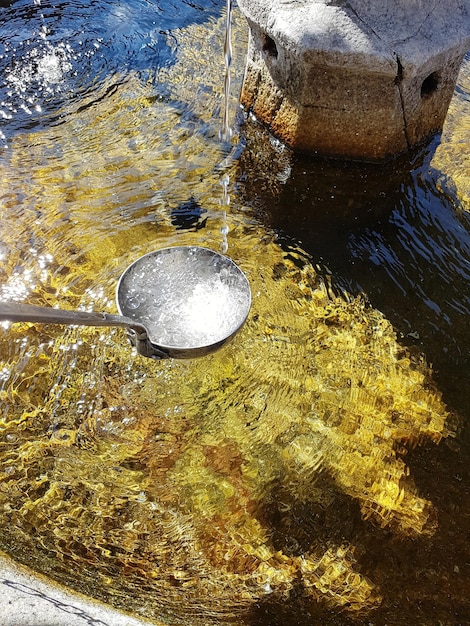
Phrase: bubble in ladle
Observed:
(135, 300)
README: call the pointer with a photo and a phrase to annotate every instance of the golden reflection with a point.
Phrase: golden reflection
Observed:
(453, 154)
(200, 480)
(191, 490)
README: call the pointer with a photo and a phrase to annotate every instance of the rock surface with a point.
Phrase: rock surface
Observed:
(362, 79)
(30, 600)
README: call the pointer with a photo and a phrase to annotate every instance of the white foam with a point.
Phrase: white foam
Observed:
(184, 305)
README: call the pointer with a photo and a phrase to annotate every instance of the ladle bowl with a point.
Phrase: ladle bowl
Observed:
(180, 302)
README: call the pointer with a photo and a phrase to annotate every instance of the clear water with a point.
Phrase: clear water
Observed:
(315, 470)
(55, 60)
(185, 299)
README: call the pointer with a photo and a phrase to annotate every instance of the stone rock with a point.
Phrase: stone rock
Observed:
(363, 79)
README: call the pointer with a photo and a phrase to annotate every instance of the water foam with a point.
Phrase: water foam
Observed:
(186, 305)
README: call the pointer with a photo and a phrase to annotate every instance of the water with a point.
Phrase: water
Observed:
(315, 470)
(185, 299)
(55, 61)
(226, 131)
(204, 315)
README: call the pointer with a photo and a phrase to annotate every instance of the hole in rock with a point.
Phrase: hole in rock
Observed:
(269, 46)
(430, 84)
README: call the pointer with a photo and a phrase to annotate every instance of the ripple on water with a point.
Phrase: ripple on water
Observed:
(52, 56)
(272, 474)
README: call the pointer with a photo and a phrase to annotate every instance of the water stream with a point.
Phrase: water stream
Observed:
(315, 470)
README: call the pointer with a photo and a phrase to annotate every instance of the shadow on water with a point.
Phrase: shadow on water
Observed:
(397, 234)
(394, 232)
(423, 580)
(56, 57)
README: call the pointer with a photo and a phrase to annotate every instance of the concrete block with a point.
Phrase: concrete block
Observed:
(29, 599)
(363, 79)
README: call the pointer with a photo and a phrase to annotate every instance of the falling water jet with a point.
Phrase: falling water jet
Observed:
(226, 132)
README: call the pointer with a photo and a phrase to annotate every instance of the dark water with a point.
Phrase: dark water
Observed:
(57, 57)
(398, 234)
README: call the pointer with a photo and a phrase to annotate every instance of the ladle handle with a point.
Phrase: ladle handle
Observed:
(19, 312)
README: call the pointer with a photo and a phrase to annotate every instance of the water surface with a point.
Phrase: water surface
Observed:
(315, 469)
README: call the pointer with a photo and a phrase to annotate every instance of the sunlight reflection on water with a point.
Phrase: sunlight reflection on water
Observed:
(270, 483)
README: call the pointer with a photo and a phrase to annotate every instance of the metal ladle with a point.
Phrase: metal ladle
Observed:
(180, 302)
